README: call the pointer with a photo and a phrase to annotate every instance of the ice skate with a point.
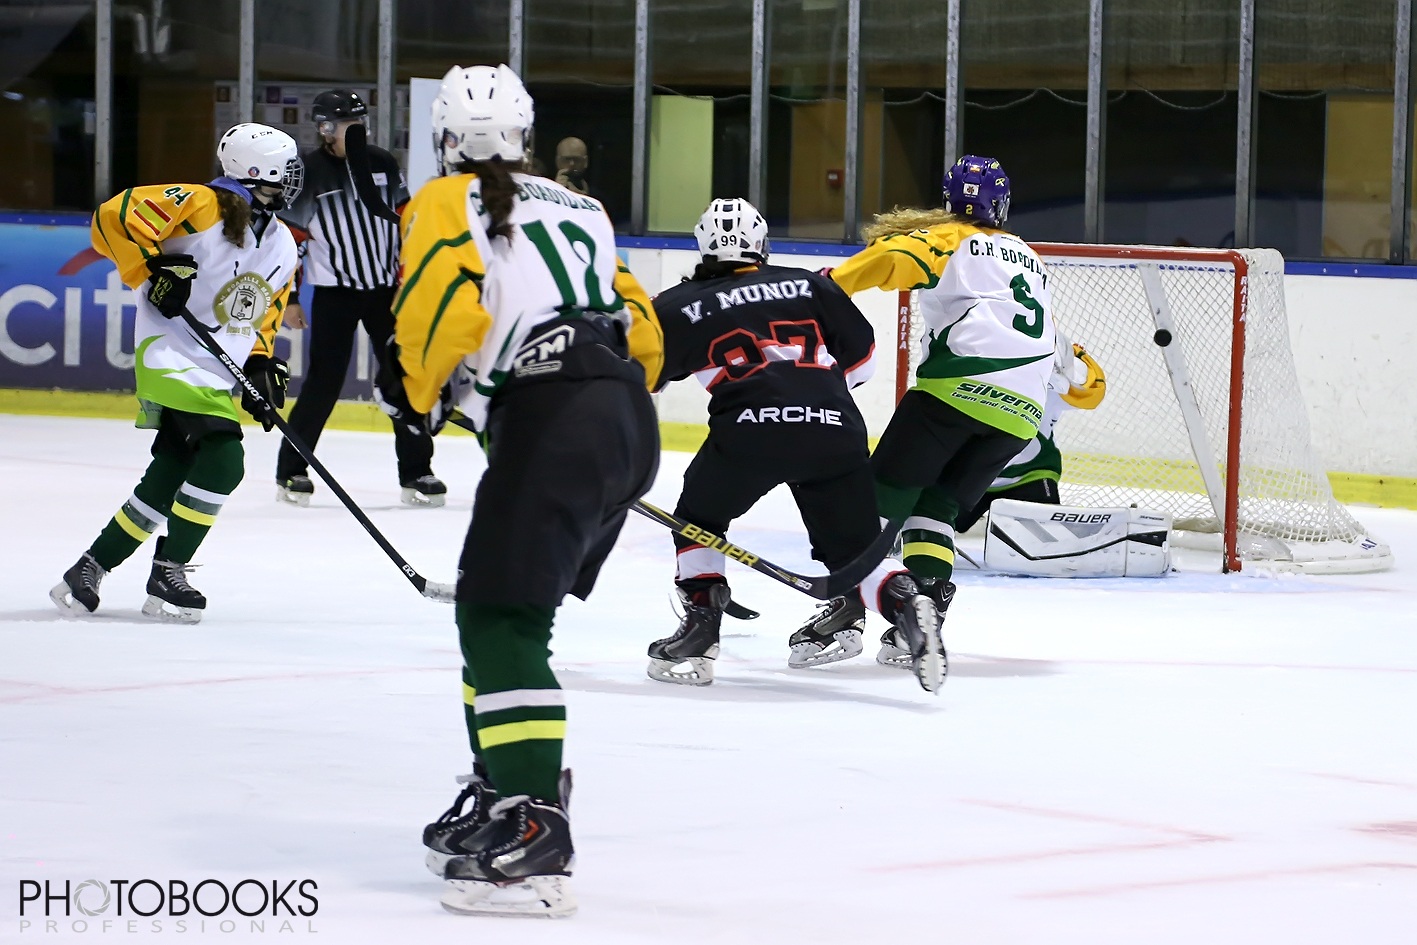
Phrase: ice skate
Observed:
(687, 657)
(444, 837)
(170, 597)
(295, 490)
(833, 634)
(77, 594)
(894, 653)
(425, 491)
(520, 865)
(914, 642)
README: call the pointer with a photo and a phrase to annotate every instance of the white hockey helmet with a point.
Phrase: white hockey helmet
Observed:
(732, 230)
(253, 154)
(481, 113)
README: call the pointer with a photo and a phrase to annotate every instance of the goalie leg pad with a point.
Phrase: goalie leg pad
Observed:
(1061, 541)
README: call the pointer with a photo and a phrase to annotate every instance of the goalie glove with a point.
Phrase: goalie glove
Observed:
(1089, 393)
(170, 285)
(270, 376)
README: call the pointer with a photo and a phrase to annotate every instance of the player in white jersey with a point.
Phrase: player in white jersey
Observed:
(513, 294)
(989, 352)
(218, 251)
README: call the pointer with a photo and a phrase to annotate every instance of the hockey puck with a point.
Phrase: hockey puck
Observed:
(1162, 337)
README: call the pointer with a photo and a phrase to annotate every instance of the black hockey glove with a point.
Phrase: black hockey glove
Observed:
(391, 397)
(170, 285)
(270, 376)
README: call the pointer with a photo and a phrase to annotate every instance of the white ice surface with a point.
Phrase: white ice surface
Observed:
(1197, 759)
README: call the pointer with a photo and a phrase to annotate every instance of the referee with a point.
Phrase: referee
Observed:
(351, 258)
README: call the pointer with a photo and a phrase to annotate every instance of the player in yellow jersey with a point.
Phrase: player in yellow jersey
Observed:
(989, 352)
(514, 303)
(218, 251)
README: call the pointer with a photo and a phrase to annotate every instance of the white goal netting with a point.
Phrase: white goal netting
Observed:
(1162, 437)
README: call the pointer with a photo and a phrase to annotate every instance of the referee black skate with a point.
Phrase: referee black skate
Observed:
(777, 349)
(351, 258)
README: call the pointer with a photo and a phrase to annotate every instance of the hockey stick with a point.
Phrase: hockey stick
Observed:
(356, 155)
(822, 587)
(440, 592)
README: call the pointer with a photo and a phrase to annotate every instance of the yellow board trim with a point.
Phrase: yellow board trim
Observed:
(469, 694)
(929, 549)
(507, 732)
(192, 515)
(130, 526)
(1393, 492)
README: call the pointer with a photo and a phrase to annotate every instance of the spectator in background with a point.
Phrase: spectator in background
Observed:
(572, 161)
(351, 257)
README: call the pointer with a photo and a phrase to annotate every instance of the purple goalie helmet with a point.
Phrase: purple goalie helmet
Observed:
(977, 187)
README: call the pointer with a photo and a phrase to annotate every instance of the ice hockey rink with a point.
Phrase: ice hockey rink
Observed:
(1199, 758)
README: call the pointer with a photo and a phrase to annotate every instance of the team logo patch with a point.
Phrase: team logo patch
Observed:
(253, 172)
(242, 301)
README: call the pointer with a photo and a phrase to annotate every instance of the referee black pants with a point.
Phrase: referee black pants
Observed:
(334, 316)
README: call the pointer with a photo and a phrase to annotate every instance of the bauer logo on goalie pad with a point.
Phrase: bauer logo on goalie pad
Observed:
(1057, 541)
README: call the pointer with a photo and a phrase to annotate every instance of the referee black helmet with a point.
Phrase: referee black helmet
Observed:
(337, 105)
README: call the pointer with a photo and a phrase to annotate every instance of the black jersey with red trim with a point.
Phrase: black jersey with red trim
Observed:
(774, 346)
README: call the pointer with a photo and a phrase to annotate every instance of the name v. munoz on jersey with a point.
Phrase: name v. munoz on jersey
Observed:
(989, 347)
(468, 298)
(239, 291)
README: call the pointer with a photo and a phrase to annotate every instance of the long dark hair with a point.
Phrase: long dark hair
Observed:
(499, 191)
(235, 215)
(718, 268)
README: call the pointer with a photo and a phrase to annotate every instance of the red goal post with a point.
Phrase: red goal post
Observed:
(1180, 418)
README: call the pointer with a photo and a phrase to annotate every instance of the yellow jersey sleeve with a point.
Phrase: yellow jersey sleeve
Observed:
(438, 315)
(266, 334)
(130, 227)
(913, 260)
(646, 338)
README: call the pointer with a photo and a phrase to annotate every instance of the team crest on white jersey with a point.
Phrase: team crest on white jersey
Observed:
(242, 302)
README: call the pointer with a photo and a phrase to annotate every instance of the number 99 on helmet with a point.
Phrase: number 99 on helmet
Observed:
(732, 230)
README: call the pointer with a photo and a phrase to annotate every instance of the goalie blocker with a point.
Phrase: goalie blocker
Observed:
(1060, 541)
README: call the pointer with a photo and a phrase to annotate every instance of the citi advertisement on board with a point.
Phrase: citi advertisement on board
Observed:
(66, 319)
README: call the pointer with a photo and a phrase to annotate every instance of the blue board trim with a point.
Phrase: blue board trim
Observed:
(1291, 267)
(46, 217)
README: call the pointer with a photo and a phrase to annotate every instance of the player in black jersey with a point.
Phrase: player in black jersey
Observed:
(777, 349)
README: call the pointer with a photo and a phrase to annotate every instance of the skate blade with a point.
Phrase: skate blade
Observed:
(299, 499)
(893, 656)
(64, 599)
(437, 862)
(535, 897)
(845, 645)
(158, 609)
(930, 667)
(416, 499)
(699, 671)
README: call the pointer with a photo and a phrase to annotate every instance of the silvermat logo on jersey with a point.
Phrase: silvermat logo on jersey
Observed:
(152, 906)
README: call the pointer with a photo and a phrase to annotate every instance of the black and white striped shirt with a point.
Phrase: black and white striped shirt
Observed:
(347, 245)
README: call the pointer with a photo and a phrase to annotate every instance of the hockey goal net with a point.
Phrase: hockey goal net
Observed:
(1210, 426)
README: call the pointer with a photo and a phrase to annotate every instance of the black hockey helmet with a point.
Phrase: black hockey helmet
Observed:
(337, 105)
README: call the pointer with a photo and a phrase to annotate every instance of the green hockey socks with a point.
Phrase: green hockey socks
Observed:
(515, 709)
(184, 494)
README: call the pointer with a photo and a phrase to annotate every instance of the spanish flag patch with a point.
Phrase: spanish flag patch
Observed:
(152, 215)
